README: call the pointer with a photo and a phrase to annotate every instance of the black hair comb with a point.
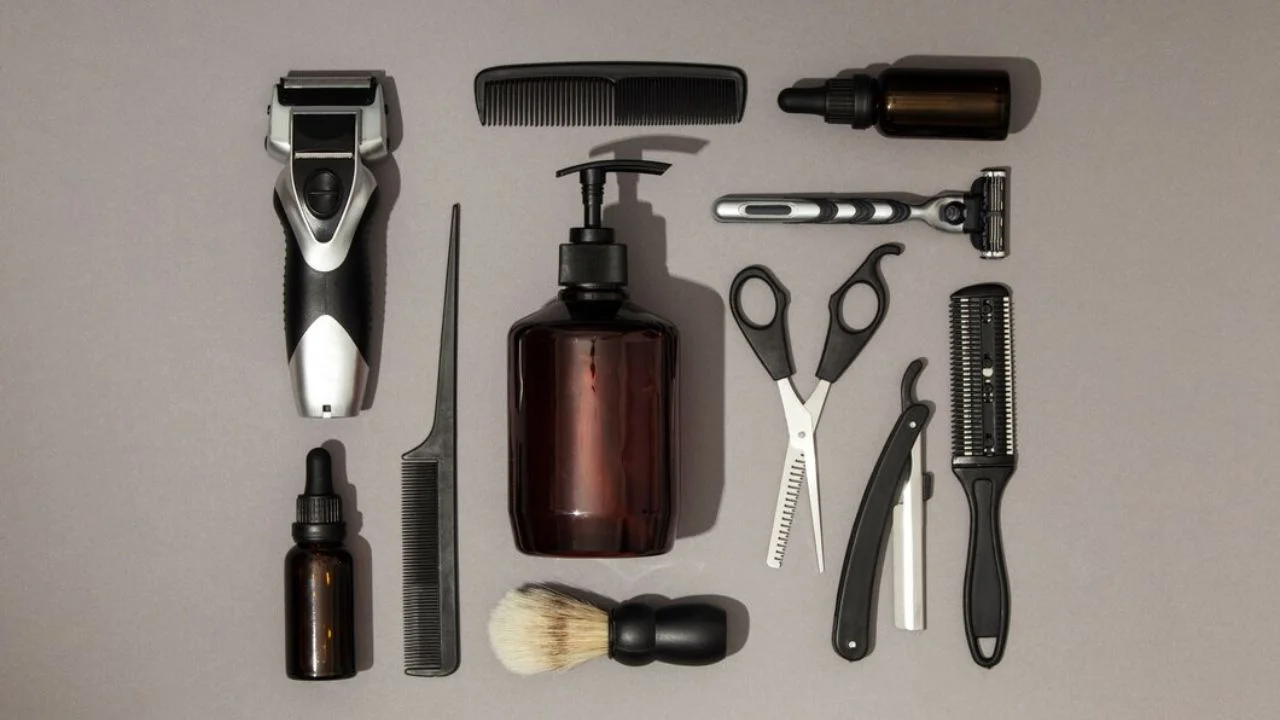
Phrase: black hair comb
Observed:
(610, 93)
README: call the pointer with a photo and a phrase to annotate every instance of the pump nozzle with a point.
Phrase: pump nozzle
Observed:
(590, 258)
(593, 175)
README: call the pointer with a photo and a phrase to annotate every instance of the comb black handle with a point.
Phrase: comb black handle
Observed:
(853, 632)
(986, 580)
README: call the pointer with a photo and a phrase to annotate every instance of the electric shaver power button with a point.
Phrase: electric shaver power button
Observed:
(322, 190)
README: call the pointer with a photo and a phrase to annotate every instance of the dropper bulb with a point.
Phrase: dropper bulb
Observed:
(812, 100)
(319, 472)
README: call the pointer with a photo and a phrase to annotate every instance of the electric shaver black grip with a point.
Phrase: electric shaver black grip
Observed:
(328, 322)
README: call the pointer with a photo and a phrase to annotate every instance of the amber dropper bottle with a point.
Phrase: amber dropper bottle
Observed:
(319, 587)
(911, 102)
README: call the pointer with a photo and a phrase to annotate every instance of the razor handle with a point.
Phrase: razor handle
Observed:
(327, 300)
(986, 580)
(820, 210)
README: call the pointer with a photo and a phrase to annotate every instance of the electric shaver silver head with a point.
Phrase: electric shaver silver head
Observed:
(987, 213)
(315, 93)
(325, 127)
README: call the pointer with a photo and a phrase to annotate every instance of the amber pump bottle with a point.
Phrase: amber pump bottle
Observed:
(319, 587)
(912, 102)
(593, 411)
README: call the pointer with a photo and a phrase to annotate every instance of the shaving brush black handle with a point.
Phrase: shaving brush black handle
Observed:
(680, 634)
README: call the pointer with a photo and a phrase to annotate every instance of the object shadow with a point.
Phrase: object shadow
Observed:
(387, 173)
(361, 553)
(1024, 78)
(698, 312)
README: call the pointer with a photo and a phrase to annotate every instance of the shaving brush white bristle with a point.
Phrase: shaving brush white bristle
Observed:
(537, 629)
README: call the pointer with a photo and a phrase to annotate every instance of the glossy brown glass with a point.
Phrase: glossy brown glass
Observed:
(969, 104)
(319, 612)
(593, 428)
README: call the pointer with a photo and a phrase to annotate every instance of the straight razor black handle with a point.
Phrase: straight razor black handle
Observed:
(986, 580)
(853, 632)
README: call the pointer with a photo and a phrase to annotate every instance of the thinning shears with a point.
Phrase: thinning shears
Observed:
(771, 342)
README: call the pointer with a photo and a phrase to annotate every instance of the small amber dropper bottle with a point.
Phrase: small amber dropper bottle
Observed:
(318, 583)
(911, 102)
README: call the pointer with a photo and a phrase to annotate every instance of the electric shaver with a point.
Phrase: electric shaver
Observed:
(982, 213)
(325, 128)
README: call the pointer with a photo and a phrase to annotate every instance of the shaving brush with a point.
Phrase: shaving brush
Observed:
(537, 629)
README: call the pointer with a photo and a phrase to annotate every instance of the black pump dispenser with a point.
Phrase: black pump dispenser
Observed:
(593, 407)
(591, 258)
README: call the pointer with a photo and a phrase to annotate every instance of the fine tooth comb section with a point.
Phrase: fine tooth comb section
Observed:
(582, 94)
(424, 632)
(982, 373)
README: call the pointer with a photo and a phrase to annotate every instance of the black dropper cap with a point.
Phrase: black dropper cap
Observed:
(840, 101)
(319, 517)
(591, 258)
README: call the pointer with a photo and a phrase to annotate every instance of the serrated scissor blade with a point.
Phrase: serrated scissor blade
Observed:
(784, 514)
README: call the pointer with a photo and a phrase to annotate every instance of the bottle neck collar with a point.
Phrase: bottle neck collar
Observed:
(593, 293)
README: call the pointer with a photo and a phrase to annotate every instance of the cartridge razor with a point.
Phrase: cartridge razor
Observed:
(982, 213)
(325, 128)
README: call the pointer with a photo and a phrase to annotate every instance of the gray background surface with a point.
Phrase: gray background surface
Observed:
(152, 454)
